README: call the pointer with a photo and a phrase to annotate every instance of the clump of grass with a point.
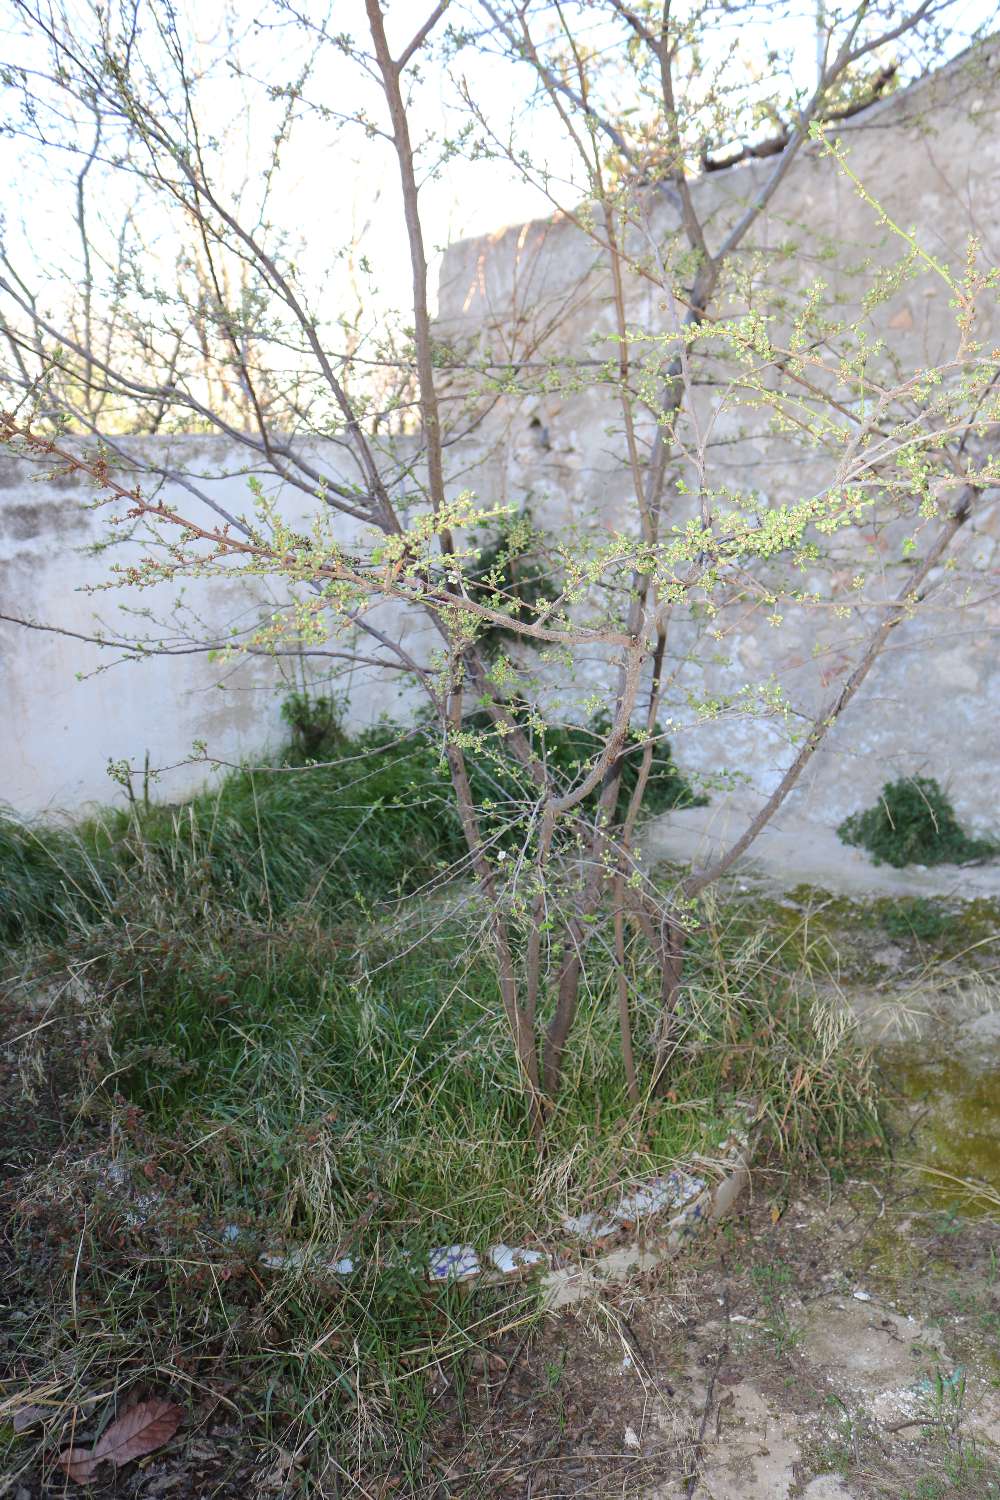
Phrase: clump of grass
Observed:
(373, 823)
(913, 822)
(345, 823)
(756, 999)
(266, 1058)
(49, 877)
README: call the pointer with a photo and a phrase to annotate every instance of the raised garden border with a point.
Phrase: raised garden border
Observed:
(697, 1204)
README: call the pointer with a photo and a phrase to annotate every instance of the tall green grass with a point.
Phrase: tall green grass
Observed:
(270, 1053)
(373, 820)
(49, 879)
(373, 824)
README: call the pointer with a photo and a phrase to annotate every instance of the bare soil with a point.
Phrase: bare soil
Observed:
(831, 1342)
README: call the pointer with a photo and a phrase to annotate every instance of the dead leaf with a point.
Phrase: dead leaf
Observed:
(161, 1484)
(27, 1416)
(139, 1430)
(903, 319)
(79, 1464)
(275, 1480)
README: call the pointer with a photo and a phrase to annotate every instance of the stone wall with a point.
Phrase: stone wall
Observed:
(540, 291)
(931, 156)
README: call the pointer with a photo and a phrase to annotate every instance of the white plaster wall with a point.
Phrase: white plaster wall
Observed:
(69, 707)
(932, 157)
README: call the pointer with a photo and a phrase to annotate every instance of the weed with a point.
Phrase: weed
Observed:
(916, 917)
(913, 822)
(373, 824)
(840, 1449)
(773, 1282)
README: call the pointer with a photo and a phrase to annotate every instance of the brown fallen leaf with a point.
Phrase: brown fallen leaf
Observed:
(140, 1430)
(79, 1463)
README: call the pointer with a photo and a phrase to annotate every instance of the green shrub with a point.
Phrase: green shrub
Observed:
(913, 822)
(572, 748)
(512, 576)
(315, 722)
(503, 788)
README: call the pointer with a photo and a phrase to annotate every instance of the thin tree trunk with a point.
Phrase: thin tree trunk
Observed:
(624, 1018)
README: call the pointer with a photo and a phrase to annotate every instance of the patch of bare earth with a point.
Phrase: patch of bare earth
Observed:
(839, 1344)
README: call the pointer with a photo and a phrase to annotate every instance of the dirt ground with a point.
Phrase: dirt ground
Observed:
(829, 1344)
(831, 1341)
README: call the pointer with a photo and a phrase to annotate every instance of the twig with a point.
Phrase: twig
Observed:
(915, 1422)
(511, 1365)
(692, 1479)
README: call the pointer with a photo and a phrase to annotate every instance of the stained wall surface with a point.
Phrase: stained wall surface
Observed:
(540, 293)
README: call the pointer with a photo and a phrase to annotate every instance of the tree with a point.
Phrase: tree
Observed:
(351, 425)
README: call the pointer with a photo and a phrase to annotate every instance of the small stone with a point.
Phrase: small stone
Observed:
(827, 1487)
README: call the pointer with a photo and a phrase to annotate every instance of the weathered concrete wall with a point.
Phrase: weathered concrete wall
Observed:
(541, 291)
(932, 158)
(71, 706)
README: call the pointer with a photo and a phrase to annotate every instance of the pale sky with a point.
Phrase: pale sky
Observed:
(336, 184)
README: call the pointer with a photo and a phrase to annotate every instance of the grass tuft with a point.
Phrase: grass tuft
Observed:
(251, 1048)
